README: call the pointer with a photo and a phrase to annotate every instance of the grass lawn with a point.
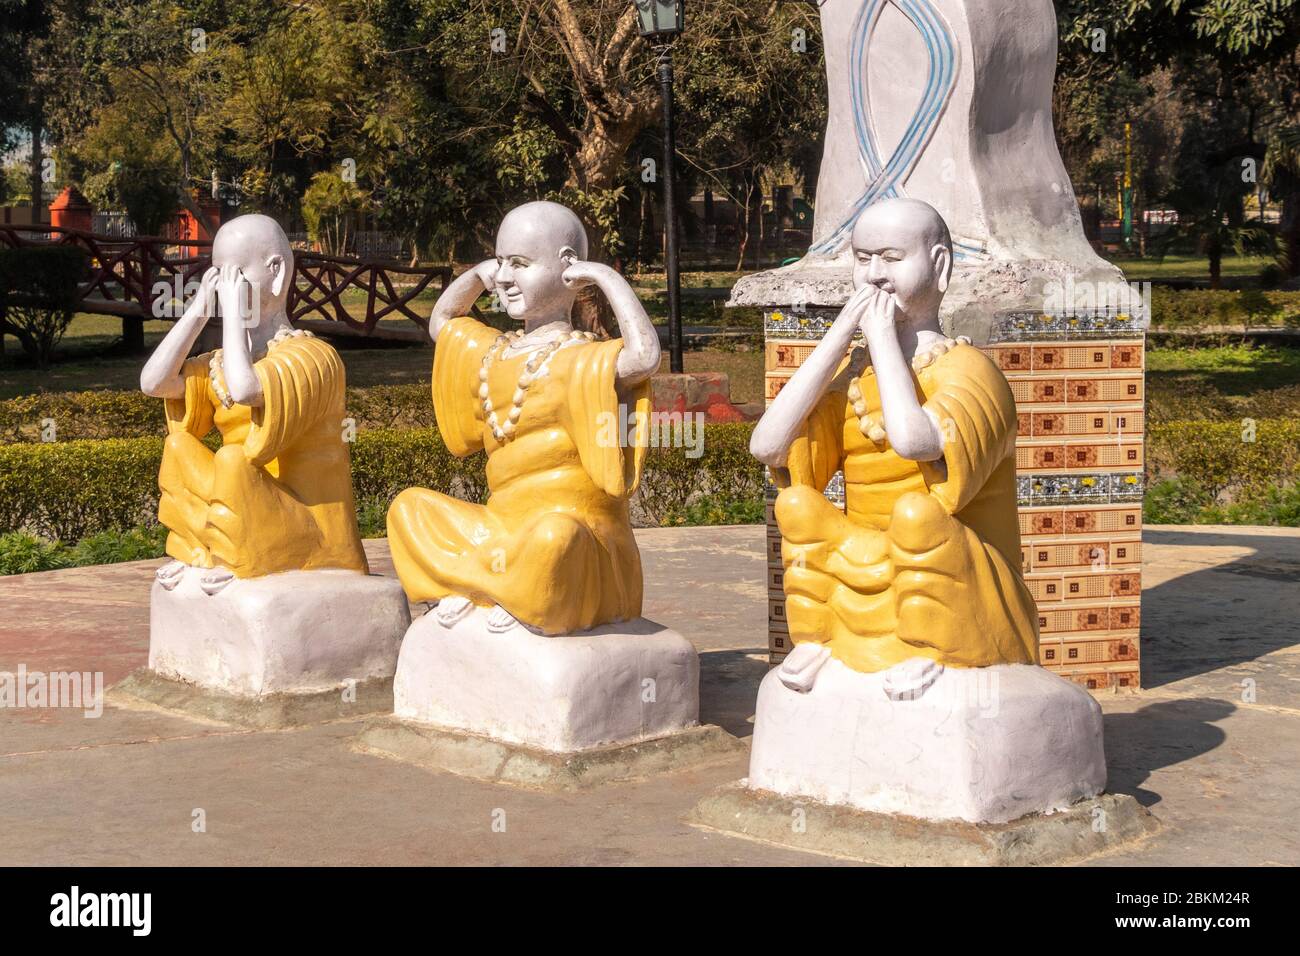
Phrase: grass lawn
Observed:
(1186, 267)
(1223, 383)
(1227, 382)
(79, 364)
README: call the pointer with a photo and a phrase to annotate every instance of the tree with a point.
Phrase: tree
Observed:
(128, 162)
(288, 104)
(753, 108)
(331, 207)
(38, 295)
(162, 68)
(27, 23)
(1232, 62)
(1282, 174)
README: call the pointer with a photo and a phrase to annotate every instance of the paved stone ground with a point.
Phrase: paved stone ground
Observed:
(1219, 769)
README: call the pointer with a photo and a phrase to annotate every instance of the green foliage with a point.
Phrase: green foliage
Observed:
(24, 553)
(110, 547)
(38, 295)
(68, 490)
(123, 414)
(712, 510)
(672, 481)
(1224, 383)
(387, 461)
(392, 406)
(372, 517)
(1175, 501)
(1234, 309)
(129, 163)
(331, 207)
(73, 490)
(1225, 460)
(66, 416)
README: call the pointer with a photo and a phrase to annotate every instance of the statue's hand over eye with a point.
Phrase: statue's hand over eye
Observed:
(208, 289)
(229, 292)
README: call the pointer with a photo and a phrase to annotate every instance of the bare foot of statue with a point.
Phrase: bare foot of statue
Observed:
(451, 609)
(500, 620)
(170, 574)
(800, 667)
(215, 580)
(912, 678)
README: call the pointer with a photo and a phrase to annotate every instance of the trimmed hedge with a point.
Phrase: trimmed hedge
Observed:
(78, 415)
(1233, 308)
(1239, 460)
(68, 491)
(123, 414)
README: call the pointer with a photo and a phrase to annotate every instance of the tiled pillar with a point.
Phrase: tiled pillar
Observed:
(1078, 384)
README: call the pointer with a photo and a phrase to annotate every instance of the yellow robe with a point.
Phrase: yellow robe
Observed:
(553, 545)
(277, 495)
(925, 561)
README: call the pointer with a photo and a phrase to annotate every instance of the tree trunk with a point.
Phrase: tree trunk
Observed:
(645, 242)
(1215, 252)
(1289, 230)
(132, 334)
(39, 213)
(710, 224)
(599, 162)
(742, 219)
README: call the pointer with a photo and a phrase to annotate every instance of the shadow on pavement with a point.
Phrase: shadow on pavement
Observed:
(1157, 736)
(729, 688)
(1220, 616)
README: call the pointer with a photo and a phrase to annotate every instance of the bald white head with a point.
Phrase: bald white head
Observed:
(535, 244)
(259, 248)
(903, 247)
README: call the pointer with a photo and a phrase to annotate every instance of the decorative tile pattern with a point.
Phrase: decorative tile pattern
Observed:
(1078, 385)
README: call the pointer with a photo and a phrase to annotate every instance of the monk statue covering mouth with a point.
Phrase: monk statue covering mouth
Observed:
(923, 565)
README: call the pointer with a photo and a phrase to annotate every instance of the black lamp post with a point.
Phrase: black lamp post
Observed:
(659, 22)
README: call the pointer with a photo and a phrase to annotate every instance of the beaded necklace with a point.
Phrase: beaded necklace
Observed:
(533, 369)
(217, 371)
(869, 425)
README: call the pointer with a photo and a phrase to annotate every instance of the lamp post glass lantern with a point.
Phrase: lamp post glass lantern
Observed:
(660, 21)
(660, 17)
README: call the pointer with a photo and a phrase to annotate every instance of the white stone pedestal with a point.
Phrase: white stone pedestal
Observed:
(612, 685)
(300, 632)
(983, 745)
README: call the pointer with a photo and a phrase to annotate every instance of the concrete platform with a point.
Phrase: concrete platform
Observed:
(496, 761)
(1208, 746)
(146, 689)
(297, 632)
(1088, 828)
(614, 684)
(983, 744)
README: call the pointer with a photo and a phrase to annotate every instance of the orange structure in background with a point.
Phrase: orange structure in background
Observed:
(189, 227)
(72, 210)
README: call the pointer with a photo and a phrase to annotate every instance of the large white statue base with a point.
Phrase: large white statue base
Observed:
(984, 745)
(299, 632)
(276, 651)
(611, 685)
(616, 703)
